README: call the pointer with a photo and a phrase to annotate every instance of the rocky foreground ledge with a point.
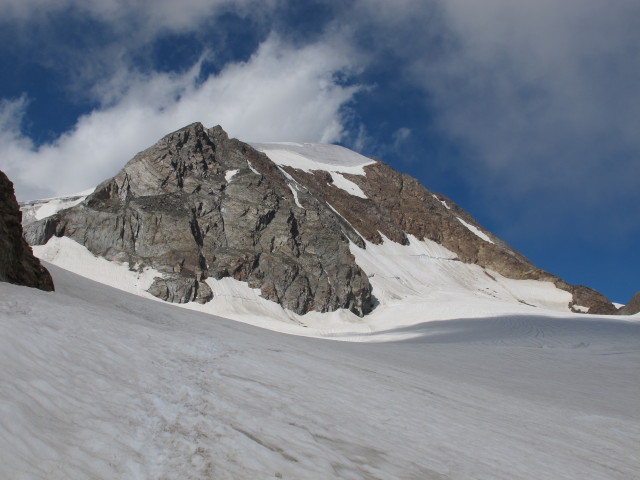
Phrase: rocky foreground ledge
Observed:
(17, 263)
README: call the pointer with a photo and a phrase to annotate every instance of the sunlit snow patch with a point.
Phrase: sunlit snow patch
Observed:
(229, 174)
(67, 254)
(39, 209)
(444, 204)
(315, 156)
(251, 168)
(310, 157)
(347, 185)
(475, 230)
(293, 186)
(423, 281)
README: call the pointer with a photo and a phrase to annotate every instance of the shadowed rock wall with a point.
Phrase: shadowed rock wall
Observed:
(17, 263)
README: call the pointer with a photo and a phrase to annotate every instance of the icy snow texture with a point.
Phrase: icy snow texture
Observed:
(67, 254)
(100, 384)
(347, 185)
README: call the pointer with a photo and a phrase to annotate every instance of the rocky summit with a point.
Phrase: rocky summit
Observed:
(198, 205)
(17, 263)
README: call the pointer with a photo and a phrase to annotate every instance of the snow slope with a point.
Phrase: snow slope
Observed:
(333, 159)
(315, 156)
(98, 383)
(419, 282)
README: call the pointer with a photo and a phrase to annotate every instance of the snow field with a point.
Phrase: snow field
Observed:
(457, 373)
(412, 284)
(101, 384)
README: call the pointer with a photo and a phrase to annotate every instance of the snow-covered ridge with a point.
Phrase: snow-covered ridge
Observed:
(315, 156)
(334, 159)
(39, 209)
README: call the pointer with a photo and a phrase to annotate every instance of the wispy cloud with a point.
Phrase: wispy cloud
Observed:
(543, 86)
(542, 97)
(281, 92)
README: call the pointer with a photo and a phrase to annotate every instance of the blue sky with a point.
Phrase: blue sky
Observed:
(527, 114)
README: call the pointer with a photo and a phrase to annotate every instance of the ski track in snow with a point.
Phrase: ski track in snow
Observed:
(98, 383)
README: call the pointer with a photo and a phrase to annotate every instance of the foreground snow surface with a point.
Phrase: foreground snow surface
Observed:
(98, 383)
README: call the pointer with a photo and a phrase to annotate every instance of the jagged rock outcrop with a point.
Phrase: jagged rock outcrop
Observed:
(17, 263)
(197, 205)
(632, 307)
(397, 205)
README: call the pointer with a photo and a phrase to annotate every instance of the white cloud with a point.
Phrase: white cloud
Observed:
(280, 93)
(541, 98)
(542, 91)
(11, 114)
(400, 135)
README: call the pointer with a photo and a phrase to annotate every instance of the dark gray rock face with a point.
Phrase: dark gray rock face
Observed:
(199, 204)
(179, 289)
(632, 307)
(17, 263)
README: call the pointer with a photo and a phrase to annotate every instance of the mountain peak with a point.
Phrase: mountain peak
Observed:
(198, 204)
(283, 217)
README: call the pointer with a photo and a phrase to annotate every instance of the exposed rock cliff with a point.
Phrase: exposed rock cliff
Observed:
(17, 263)
(199, 204)
(632, 307)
